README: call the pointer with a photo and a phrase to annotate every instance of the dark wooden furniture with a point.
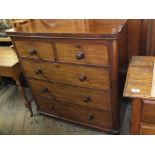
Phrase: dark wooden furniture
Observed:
(72, 67)
(9, 67)
(139, 87)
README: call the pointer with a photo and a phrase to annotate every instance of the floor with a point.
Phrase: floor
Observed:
(15, 118)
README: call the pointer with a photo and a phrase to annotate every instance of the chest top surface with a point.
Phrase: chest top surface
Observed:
(139, 82)
(97, 28)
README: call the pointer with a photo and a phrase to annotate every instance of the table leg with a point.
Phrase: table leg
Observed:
(22, 92)
(136, 115)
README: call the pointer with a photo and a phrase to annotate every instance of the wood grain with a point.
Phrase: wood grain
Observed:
(148, 112)
(140, 77)
(136, 116)
(98, 78)
(95, 52)
(75, 113)
(147, 129)
(63, 92)
(44, 49)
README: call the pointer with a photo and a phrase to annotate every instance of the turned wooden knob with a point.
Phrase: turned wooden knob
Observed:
(32, 51)
(79, 55)
(52, 108)
(38, 71)
(86, 98)
(82, 77)
(44, 90)
(90, 117)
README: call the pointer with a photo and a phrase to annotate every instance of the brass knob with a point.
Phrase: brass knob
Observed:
(90, 117)
(82, 77)
(32, 51)
(44, 90)
(79, 55)
(38, 71)
(86, 98)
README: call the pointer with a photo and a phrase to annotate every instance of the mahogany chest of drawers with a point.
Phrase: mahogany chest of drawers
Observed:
(72, 68)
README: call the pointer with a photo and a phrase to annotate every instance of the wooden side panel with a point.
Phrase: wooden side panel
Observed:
(136, 116)
(35, 50)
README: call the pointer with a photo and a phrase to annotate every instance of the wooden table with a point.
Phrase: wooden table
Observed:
(9, 67)
(140, 87)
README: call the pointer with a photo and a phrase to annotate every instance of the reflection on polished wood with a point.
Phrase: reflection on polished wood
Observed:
(71, 28)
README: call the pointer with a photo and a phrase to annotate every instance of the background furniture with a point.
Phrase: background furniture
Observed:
(9, 67)
(72, 67)
(139, 87)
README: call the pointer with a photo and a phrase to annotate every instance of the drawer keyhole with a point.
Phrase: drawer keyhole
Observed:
(32, 51)
(90, 117)
(82, 77)
(44, 90)
(86, 98)
(38, 71)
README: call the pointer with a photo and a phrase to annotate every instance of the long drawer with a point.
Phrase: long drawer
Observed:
(35, 50)
(73, 94)
(75, 113)
(77, 75)
(83, 52)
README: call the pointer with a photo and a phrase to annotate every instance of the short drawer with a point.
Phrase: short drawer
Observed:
(147, 129)
(73, 94)
(148, 111)
(83, 52)
(35, 50)
(77, 75)
(75, 113)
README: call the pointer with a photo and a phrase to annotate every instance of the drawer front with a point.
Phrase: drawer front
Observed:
(75, 112)
(83, 52)
(147, 129)
(72, 94)
(148, 111)
(77, 75)
(35, 50)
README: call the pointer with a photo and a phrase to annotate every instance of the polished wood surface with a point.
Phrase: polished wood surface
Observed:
(71, 28)
(35, 50)
(94, 52)
(84, 70)
(140, 77)
(92, 77)
(82, 96)
(75, 113)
